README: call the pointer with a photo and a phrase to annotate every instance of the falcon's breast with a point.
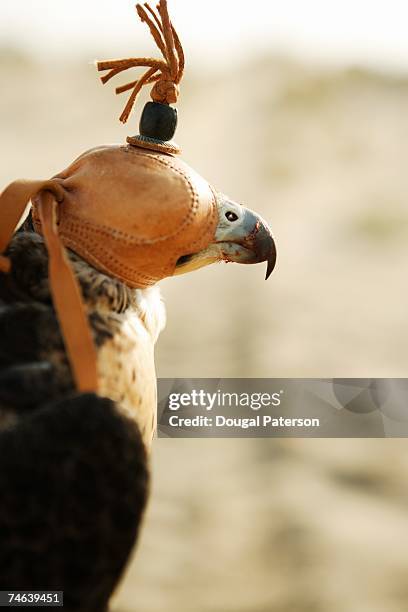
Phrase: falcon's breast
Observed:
(126, 361)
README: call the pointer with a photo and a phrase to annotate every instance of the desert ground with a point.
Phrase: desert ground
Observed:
(265, 525)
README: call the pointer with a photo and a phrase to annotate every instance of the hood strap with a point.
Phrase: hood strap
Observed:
(65, 291)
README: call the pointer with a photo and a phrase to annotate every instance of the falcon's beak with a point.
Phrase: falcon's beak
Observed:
(249, 241)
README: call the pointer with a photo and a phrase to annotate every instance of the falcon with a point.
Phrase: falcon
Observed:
(74, 475)
(80, 313)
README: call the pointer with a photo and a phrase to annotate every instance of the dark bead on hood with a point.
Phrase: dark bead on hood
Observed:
(158, 121)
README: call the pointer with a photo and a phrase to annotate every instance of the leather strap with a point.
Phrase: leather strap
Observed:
(66, 294)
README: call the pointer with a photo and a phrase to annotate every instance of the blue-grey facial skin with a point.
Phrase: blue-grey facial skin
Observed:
(242, 236)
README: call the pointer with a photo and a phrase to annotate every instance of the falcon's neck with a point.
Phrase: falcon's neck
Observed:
(107, 295)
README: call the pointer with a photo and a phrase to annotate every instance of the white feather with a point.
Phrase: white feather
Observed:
(126, 363)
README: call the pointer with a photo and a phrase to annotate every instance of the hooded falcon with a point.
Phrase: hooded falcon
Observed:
(73, 471)
(80, 313)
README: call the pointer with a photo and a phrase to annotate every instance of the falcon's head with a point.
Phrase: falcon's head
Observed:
(241, 236)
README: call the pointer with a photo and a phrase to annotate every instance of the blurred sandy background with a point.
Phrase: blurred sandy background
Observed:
(319, 150)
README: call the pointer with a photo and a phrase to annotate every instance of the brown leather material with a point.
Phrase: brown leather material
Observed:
(67, 301)
(161, 146)
(63, 285)
(14, 200)
(165, 73)
(5, 264)
(133, 213)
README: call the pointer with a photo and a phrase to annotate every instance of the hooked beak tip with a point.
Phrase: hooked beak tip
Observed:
(271, 263)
